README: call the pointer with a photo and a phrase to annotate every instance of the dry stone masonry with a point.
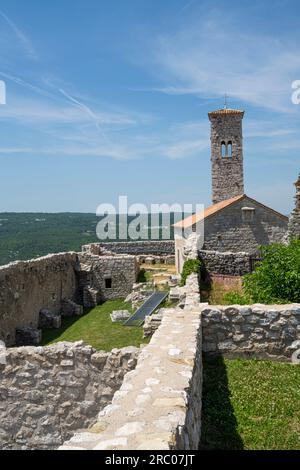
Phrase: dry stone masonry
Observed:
(294, 221)
(106, 277)
(226, 154)
(260, 331)
(159, 403)
(228, 231)
(47, 393)
(33, 294)
(136, 248)
(27, 287)
(226, 263)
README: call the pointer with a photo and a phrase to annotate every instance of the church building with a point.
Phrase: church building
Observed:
(234, 222)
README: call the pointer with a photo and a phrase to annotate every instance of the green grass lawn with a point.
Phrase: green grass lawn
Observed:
(96, 328)
(250, 404)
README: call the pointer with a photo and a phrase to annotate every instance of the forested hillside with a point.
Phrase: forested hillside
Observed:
(30, 235)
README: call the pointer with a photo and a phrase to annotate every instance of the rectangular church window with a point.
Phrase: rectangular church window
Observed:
(248, 214)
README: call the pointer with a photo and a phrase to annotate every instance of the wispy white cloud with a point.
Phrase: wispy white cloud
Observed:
(212, 56)
(21, 36)
(13, 150)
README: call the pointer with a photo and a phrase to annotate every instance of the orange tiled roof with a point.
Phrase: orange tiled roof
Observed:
(193, 219)
(226, 111)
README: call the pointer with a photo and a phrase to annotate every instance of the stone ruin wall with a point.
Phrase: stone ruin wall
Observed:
(62, 388)
(121, 269)
(136, 248)
(157, 407)
(28, 286)
(47, 393)
(159, 403)
(259, 331)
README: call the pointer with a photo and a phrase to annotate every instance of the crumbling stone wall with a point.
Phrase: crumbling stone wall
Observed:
(122, 270)
(260, 331)
(159, 403)
(159, 247)
(158, 406)
(53, 281)
(47, 393)
(26, 287)
(226, 263)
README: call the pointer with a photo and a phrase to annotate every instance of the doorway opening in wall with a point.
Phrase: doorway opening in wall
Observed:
(108, 283)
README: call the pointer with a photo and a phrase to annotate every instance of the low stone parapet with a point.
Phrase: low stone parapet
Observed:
(260, 331)
(28, 336)
(158, 406)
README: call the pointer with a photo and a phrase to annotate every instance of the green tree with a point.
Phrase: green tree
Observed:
(276, 278)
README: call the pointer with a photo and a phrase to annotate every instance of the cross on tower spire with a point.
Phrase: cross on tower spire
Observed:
(225, 101)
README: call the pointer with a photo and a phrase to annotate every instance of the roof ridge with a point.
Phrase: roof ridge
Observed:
(218, 206)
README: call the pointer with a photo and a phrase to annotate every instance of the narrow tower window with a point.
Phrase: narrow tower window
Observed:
(223, 149)
(229, 149)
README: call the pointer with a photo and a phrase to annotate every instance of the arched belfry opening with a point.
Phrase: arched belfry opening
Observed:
(223, 149)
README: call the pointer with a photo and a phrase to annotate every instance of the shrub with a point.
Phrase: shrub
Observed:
(276, 278)
(235, 297)
(142, 276)
(190, 266)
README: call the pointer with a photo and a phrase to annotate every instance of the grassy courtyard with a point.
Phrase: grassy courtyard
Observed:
(250, 404)
(96, 328)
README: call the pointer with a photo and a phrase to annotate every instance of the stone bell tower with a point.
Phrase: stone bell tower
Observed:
(294, 221)
(226, 154)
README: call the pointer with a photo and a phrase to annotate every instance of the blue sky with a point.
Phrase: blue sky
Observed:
(111, 97)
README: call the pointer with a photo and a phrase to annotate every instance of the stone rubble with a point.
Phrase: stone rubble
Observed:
(28, 335)
(119, 315)
(48, 319)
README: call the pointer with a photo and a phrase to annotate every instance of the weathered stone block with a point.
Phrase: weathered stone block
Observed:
(119, 315)
(48, 319)
(28, 336)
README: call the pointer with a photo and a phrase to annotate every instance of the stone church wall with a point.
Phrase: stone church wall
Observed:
(226, 230)
(227, 172)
